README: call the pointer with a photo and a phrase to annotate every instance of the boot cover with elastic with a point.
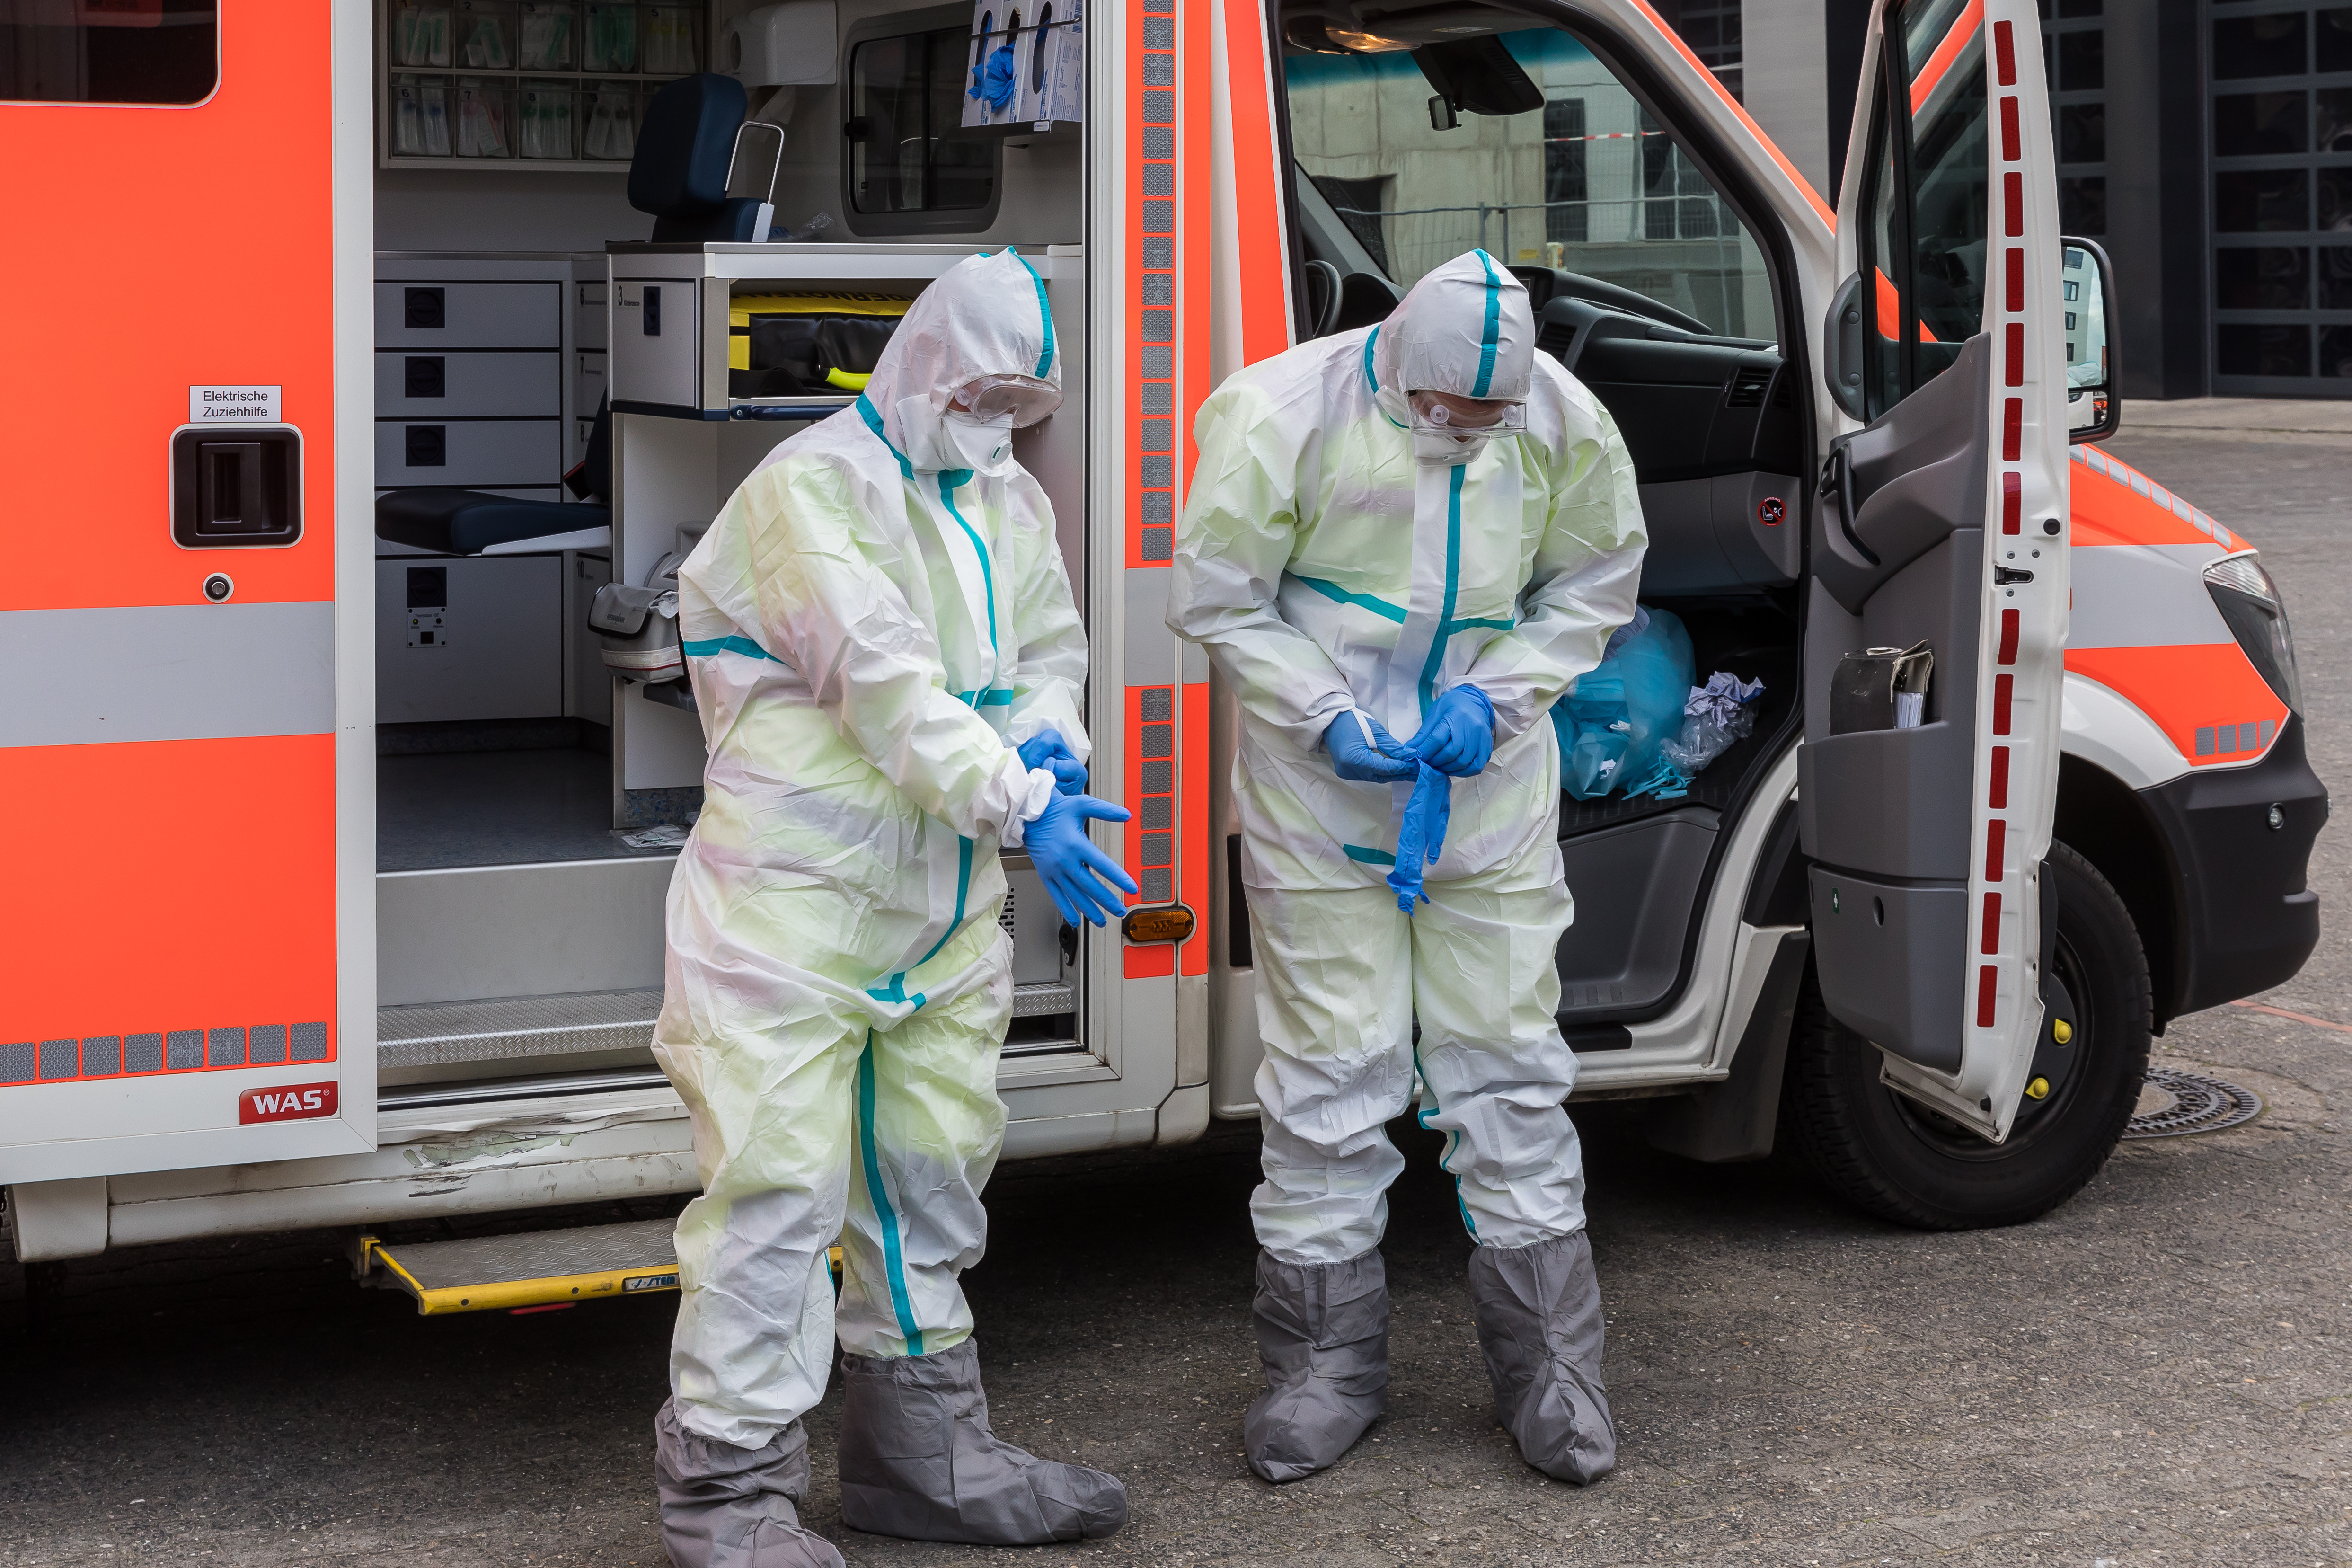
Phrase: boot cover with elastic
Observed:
(1323, 1338)
(725, 1507)
(1538, 1315)
(918, 1461)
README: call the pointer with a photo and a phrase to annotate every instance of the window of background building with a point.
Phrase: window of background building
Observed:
(2281, 139)
(1712, 29)
(1589, 183)
(2074, 54)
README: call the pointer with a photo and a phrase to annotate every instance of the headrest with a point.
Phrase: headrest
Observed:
(685, 146)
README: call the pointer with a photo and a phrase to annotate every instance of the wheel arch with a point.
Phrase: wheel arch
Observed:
(2105, 820)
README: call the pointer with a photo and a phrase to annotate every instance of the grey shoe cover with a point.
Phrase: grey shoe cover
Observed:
(725, 1507)
(1538, 1313)
(918, 1461)
(1323, 1338)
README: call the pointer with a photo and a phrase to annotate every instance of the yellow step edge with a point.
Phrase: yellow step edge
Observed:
(507, 1294)
(510, 1293)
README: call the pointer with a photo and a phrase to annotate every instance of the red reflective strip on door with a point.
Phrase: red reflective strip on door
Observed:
(1997, 791)
(2013, 501)
(1150, 835)
(1990, 941)
(1995, 841)
(2012, 429)
(2008, 636)
(2016, 281)
(2002, 687)
(1192, 820)
(2009, 130)
(2012, 200)
(1988, 987)
(2004, 50)
(2013, 354)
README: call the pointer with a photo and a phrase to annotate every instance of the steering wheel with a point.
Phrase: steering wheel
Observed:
(1322, 299)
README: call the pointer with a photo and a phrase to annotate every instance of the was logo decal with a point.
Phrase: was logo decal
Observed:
(287, 1104)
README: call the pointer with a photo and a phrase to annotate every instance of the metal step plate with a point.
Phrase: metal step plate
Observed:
(516, 1028)
(495, 1273)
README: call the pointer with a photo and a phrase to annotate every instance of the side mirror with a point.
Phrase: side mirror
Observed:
(2094, 409)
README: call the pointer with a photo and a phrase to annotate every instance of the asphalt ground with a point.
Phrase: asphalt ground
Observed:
(2155, 1374)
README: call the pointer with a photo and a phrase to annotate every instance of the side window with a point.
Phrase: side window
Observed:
(1926, 241)
(906, 154)
(1548, 162)
(110, 51)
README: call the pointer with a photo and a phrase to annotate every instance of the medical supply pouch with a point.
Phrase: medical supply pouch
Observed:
(1612, 721)
(807, 346)
(637, 623)
(1881, 688)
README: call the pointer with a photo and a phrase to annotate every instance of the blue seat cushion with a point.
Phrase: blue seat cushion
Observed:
(465, 522)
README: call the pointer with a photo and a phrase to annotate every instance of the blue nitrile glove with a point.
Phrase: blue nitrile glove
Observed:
(1069, 862)
(1001, 73)
(1457, 736)
(1422, 838)
(1363, 752)
(1045, 749)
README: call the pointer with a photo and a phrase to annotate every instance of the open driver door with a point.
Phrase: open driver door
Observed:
(1926, 791)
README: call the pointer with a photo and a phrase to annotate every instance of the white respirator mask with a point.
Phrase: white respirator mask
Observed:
(983, 446)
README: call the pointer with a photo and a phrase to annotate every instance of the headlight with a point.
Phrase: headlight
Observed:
(2249, 601)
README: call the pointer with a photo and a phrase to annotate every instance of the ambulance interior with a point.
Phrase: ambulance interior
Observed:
(531, 799)
(530, 805)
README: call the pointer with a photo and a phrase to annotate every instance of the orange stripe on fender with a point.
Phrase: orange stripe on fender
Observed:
(2185, 689)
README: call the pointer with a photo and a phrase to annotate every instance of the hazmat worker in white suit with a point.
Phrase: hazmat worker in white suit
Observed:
(889, 668)
(1424, 530)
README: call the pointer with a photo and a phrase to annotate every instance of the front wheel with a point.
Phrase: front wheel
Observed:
(1903, 1161)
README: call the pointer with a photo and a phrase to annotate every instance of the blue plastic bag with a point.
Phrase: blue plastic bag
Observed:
(1612, 722)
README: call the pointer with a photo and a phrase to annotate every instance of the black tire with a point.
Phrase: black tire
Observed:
(1899, 1161)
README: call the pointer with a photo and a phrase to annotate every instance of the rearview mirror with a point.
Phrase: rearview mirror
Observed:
(2094, 407)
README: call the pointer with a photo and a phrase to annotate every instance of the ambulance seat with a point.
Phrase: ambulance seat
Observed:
(471, 522)
(685, 150)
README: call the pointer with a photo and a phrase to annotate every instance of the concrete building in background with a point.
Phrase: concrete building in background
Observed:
(2206, 143)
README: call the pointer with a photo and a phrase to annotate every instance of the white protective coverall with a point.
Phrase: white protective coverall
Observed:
(1324, 567)
(868, 637)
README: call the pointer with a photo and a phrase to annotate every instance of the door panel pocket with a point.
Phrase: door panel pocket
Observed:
(1891, 961)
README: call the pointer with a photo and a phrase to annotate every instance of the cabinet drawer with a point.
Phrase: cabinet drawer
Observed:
(456, 385)
(588, 385)
(468, 453)
(588, 315)
(469, 315)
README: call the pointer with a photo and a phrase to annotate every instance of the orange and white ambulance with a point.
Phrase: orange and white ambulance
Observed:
(340, 841)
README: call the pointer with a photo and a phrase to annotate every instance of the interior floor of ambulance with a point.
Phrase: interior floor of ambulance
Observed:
(495, 793)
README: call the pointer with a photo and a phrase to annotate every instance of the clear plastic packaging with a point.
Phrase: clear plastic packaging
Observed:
(420, 117)
(547, 32)
(420, 35)
(543, 119)
(671, 43)
(485, 35)
(485, 115)
(608, 42)
(611, 132)
(1716, 716)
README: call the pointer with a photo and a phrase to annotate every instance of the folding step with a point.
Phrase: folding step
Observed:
(535, 1268)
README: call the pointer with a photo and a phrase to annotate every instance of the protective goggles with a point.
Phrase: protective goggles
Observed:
(1026, 399)
(1431, 417)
